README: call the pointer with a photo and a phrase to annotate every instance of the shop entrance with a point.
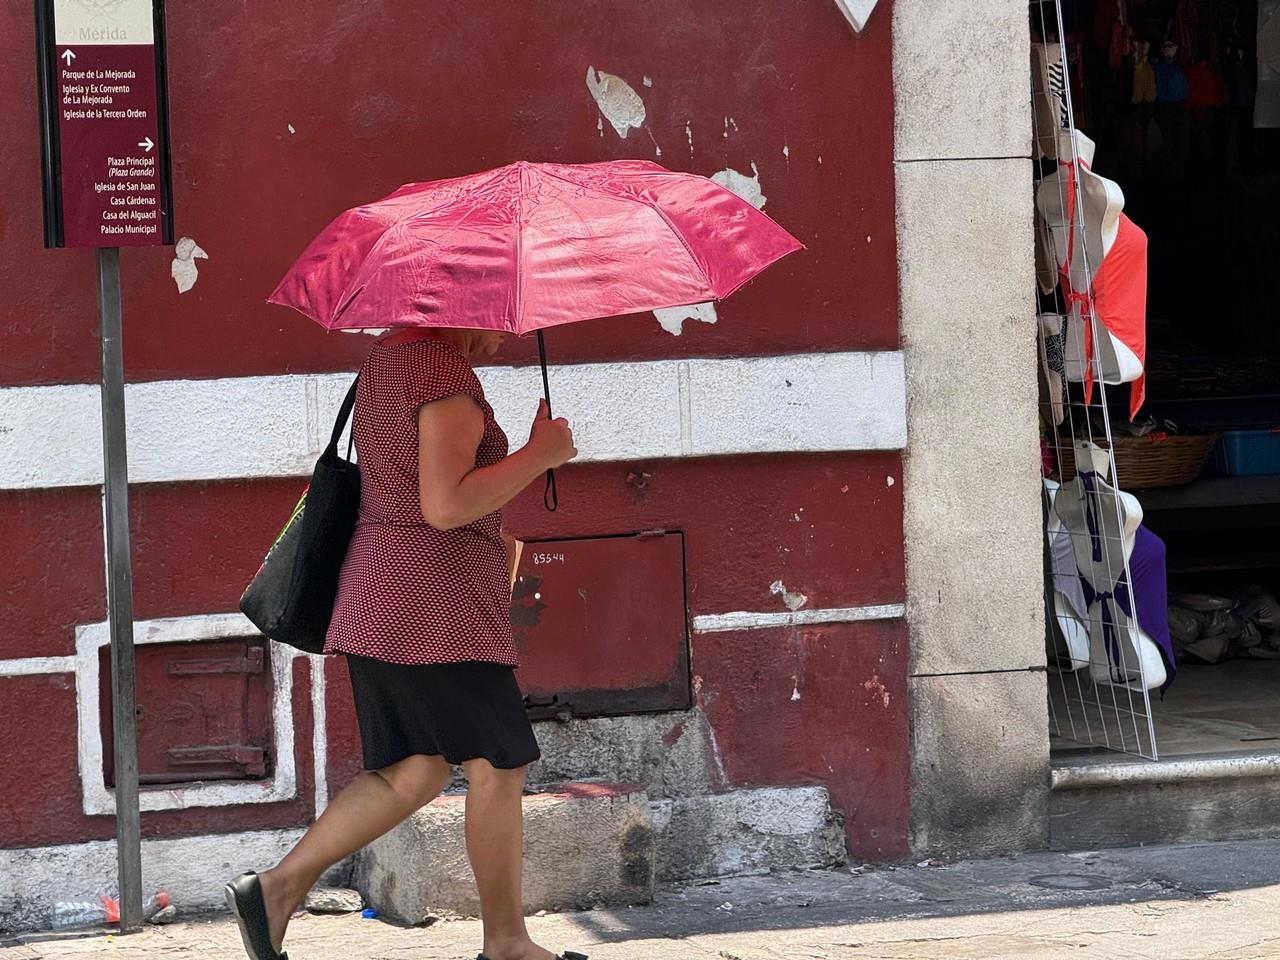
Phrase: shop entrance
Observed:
(1173, 415)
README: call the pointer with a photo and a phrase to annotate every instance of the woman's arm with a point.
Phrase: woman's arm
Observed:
(451, 489)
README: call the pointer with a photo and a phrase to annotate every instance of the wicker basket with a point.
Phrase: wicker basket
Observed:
(1159, 460)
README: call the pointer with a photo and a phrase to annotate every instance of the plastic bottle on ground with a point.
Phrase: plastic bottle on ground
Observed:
(70, 915)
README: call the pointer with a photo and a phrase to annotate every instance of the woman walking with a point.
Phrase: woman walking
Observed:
(423, 618)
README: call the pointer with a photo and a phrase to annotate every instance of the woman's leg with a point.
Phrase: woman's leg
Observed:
(495, 834)
(370, 805)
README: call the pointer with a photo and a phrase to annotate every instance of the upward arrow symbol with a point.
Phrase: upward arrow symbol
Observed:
(68, 56)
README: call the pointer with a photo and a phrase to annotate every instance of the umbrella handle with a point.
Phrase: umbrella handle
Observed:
(550, 498)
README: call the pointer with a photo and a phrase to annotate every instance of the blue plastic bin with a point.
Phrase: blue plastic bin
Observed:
(1247, 453)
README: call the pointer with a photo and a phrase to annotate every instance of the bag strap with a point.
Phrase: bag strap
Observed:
(344, 414)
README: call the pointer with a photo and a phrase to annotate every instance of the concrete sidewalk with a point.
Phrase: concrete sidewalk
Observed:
(1197, 901)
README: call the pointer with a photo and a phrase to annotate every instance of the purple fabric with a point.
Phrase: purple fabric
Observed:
(1151, 590)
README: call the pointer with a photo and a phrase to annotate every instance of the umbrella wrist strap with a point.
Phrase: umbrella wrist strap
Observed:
(550, 498)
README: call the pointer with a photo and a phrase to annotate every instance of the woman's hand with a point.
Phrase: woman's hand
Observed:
(551, 441)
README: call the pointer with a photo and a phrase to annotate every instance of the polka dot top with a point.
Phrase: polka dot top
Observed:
(411, 593)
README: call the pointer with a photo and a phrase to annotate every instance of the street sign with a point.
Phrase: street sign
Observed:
(104, 123)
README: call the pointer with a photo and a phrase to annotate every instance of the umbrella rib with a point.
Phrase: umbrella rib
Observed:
(518, 319)
(654, 207)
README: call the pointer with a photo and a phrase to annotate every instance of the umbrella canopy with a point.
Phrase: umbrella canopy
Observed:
(532, 245)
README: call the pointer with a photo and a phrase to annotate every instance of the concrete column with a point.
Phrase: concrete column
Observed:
(972, 512)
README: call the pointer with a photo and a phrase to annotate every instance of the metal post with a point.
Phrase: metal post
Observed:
(119, 592)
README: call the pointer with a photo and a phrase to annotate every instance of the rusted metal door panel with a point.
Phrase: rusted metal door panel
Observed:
(204, 711)
(601, 625)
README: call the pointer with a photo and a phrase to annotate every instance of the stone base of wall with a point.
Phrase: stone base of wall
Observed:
(592, 844)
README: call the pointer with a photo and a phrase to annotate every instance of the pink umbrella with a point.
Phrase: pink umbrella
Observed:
(532, 245)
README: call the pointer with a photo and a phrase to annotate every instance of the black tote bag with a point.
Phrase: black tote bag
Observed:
(291, 597)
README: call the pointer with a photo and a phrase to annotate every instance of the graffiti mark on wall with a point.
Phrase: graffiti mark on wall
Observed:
(876, 688)
(618, 102)
(183, 269)
(791, 600)
(672, 318)
(747, 187)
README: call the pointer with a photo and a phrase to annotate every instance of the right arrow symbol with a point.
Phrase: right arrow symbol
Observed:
(146, 144)
(68, 56)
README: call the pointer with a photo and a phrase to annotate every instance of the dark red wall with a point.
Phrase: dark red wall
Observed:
(399, 91)
(381, 94)
(824, 704)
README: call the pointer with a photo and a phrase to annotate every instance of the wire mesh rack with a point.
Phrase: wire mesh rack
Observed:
(1101, 664)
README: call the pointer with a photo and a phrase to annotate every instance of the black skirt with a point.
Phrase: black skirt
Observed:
(459, 711)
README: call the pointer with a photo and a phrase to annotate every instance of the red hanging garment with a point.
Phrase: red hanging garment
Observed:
(1120, 299)
(1119, 295)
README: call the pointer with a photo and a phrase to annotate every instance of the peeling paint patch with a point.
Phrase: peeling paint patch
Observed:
(371, 331)
(792, 601)
(656, 149)
(648, 81)
(674, 734)
(183, 268)
(786, 152)
(890, 481)
(856, 11)
(672, 318)
(876, 688)
(291, 129)
(618, 102)
(795, 689)
(748, 188)
(688, 133)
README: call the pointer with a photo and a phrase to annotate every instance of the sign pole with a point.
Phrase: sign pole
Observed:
(119, 592)
(102, 89)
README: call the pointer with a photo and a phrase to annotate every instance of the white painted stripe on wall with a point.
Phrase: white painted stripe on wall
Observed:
(182, 430)
(35, 666)
(722, 622)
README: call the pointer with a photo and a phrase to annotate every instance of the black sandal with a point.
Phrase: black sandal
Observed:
(244, 898)
(567, 955)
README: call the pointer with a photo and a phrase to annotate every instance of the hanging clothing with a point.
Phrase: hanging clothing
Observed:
(1144, 81)
(1120, 300)
(1053, 368)
(1148, 568)
(1206, 88)
(1119, 297)
(1186, 29)
(1128, 627)
(1171, 82)
(1266, 107)
(1121, 45)
(1106, 15)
